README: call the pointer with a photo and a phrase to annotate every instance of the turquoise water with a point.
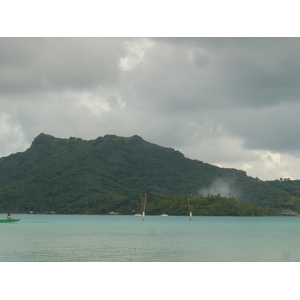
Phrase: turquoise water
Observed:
(83, 238)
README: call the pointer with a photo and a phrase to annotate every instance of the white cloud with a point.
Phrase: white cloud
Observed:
(96, 104)
(267, 165)
(136, 49)
(273, 164)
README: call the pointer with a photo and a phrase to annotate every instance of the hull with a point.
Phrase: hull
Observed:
(9, 221)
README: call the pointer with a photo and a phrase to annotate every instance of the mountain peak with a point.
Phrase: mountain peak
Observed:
(137, 139)
(41, 138)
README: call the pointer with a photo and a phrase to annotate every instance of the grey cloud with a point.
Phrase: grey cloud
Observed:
(241, 94)
(275, 128)
(248, 74)
(58, 63)
(239, 74)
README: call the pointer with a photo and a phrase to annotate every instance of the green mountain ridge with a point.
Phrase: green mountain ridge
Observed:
(109, 173)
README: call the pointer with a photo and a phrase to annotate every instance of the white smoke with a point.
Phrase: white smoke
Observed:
(224, 187)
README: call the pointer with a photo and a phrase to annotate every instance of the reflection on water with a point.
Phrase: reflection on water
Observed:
(169, 239)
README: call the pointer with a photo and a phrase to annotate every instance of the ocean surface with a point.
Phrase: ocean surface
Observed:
(110, 238)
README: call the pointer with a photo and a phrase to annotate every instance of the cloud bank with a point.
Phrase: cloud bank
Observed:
(231, 102)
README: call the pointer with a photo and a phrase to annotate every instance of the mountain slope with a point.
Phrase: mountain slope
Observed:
(70, 175)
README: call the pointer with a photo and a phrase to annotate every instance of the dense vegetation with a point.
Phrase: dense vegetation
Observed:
(109, 173)
(211, 205)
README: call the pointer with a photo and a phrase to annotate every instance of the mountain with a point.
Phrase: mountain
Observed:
(76, 176)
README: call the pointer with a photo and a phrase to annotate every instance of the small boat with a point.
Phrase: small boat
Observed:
(9, 220)
(164, 215)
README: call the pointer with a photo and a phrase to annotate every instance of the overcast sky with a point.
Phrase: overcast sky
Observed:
(230, 102)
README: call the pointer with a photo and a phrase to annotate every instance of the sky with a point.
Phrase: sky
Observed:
(228, 101)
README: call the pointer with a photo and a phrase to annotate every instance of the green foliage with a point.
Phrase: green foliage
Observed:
(109, 173)
(201, 206)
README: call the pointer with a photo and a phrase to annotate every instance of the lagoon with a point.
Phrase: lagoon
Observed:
(116, 238)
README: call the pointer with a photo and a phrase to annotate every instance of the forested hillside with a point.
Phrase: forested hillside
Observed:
(109, 174)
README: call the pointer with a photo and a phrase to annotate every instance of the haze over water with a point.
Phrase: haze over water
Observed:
(98, 238)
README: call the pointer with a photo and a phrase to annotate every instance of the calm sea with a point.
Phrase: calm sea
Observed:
(98, 238)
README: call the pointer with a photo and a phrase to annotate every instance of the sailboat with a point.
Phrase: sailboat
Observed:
(190, 208)
(144, 200)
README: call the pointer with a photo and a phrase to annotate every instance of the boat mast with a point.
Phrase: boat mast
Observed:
(190, 208)
(144, 200)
